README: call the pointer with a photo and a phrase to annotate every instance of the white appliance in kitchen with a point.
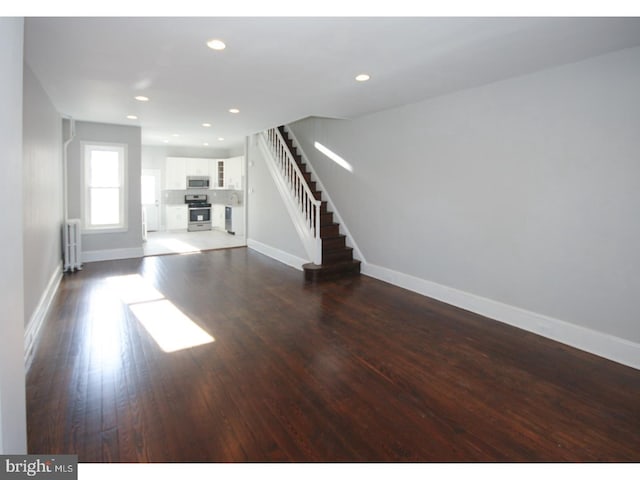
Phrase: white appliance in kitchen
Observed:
(199, 212)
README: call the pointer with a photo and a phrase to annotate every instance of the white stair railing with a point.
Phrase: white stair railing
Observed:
(303, 207)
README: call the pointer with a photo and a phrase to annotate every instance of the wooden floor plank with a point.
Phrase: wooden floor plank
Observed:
(348, 370)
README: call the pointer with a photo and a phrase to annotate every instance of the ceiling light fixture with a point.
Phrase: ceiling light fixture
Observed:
(175, 135)
(363, 77)
(221, 139)
(205, 144)
(165, 141)
(132, 117)
(216, 44)
(234, 110)
(142, 98)
(207, 125)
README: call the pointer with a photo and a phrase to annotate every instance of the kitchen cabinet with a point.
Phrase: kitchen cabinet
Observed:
(217, 216)
(216, 173)
(177, 217)
(198, 167)
(179, 168)
(175, 177)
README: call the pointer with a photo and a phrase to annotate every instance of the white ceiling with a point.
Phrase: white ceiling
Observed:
(277, 70)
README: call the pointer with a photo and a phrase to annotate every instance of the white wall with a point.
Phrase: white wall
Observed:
(108, 245)
(269, 227)
(42, 204)
(237, 151)
(524, 192)
(13, 431)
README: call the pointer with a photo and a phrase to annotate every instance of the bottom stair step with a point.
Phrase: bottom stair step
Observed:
(315, 273)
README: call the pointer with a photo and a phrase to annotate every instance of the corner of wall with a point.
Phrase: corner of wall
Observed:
(37, 320)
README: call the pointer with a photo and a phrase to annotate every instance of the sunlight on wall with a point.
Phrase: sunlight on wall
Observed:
(167, 324)
(333, 156)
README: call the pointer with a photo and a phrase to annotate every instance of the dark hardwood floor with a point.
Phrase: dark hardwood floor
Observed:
(350, 370)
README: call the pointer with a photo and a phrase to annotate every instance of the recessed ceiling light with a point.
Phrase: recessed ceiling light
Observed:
(363, 77)
(132, 117)
(175, 135)
(234, 110)
(142, 98)
(205, 144)
(216, 44)
(221, 139)
(165, 141)
(206, 125)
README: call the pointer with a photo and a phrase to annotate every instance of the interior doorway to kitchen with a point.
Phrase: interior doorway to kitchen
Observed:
(166, 216)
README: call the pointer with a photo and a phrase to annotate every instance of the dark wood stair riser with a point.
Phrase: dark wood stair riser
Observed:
(335, 256)
(333, 243)
(326, 219)
(329, 230)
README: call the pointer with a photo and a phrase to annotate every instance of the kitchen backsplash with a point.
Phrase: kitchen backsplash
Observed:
(223, 197)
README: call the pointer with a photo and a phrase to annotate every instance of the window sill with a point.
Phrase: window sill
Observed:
(93, 231)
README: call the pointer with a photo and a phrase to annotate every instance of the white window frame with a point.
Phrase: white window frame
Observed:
(121, 149)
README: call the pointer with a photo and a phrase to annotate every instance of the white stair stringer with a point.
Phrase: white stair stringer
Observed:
(357, 253)
(297, 200)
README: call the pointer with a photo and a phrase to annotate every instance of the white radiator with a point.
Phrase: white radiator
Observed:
(72, 245)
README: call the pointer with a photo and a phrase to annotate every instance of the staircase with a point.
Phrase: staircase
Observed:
(336, 257)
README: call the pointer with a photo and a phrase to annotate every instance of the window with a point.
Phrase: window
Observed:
(104, 187)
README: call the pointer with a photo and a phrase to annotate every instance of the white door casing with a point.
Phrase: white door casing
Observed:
(150, 193)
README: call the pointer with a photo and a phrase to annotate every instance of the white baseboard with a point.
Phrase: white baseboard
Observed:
(598, 343)
(36, 321)
(276, 254)
(114, 254)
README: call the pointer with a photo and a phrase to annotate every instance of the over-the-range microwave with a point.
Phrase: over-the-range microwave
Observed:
(198, 182)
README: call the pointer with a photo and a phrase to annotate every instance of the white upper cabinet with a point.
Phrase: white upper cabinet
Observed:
(198, 167)
(223, 173)
(179, 168)
(216, 173)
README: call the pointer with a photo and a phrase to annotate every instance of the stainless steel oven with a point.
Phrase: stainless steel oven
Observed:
(199, 213)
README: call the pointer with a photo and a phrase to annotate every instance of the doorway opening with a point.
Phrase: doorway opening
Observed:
(165, 216)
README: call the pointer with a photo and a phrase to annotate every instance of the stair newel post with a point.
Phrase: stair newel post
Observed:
(316, 228)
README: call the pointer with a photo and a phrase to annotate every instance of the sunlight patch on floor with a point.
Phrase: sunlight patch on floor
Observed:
(103, 341)
(133, 289)
(171, 329)
(178, 246)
